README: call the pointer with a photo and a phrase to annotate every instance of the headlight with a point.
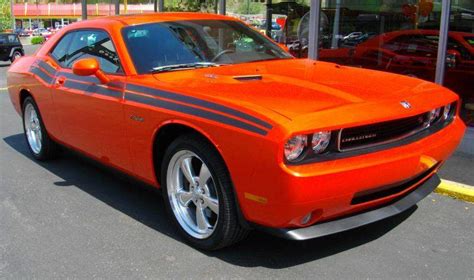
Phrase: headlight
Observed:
(446, 111)
(433, 115)
(295, 146)
(320, 141)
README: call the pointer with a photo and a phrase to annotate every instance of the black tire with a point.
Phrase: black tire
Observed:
(15, 55)
(49, 149)
(228, 229)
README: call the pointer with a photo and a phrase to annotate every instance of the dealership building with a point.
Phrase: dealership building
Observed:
(427, 39)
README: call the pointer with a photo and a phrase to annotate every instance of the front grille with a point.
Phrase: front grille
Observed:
(373, 134)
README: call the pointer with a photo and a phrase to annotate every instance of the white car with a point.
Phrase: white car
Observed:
(41, 32)
(352, 35)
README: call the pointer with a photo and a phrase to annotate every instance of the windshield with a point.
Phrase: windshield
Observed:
(197, 42)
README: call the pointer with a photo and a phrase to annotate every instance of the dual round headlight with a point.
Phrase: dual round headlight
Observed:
(442, 113)
(297, 146)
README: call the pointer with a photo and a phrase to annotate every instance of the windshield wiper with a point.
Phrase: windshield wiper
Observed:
(174, 67)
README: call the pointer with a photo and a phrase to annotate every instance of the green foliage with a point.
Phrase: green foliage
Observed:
(37, 40)
(191, 5)
(6, 21)
(249, 8)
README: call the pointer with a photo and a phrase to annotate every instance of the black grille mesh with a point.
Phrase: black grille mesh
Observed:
(367, 135)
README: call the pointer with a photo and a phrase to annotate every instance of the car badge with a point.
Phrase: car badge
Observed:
(406, 104)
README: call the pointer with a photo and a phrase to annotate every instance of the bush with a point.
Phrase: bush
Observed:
(37, 40)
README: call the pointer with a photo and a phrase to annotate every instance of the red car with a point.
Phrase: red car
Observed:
(236, 132)
(414, 53)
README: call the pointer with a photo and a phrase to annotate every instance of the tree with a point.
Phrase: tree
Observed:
(191, 5)
(250, 7)
(6, 20)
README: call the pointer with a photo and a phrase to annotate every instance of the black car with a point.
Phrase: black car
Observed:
(10, 47)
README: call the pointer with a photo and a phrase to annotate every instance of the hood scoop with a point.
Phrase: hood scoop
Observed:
(248, 78)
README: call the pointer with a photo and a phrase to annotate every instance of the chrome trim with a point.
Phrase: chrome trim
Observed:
(401, 137)
(248, 78)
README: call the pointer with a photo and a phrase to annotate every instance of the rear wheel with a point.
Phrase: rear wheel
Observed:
(39, 143)
(199, 195)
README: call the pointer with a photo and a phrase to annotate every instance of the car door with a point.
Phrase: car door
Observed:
(91, 113)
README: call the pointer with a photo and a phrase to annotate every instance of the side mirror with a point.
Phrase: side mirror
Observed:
(89, 67)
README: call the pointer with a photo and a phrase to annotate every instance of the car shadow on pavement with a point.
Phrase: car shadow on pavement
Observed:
(144, 204)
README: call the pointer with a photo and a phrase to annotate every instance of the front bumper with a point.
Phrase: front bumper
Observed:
(343, 187)
(346, 223)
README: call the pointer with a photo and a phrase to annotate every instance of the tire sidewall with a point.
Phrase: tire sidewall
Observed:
(222, 188)
(44, 136)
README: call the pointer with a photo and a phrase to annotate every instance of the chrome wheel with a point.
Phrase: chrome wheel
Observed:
(33, 128)
(192, 194)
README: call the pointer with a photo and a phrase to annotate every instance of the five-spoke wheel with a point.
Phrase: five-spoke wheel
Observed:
(199, 194)
(39, 143)
(33, 128)
(192, 193)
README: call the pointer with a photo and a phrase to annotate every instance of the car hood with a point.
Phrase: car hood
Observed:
(294, 87)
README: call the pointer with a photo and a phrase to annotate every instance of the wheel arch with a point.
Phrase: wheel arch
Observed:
(170, 130)
(166, 133)
(23, 94)
(14, 49)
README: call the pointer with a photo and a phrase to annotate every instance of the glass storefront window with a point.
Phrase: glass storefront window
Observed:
(398, 36)
(459, 74)
(394, 36)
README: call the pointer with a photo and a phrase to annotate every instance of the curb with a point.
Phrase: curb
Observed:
(456, 190)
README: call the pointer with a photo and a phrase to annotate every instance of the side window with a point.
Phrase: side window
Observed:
(8, 39)
(85, 44)
(94, 44)
(417, 45)
(12, 39)
(59, 52)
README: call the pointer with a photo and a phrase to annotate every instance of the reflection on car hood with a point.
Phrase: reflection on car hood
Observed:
(294, 87)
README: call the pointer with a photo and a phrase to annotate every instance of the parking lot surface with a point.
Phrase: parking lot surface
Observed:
(72, 218)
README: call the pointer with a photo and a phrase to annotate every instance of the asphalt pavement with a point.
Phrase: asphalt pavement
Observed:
(71, 218)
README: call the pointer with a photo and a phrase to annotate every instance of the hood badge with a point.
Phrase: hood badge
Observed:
(406, 104)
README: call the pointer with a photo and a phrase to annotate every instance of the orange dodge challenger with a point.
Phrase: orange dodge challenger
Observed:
(238, 133)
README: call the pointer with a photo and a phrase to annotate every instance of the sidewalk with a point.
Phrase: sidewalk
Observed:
(459, 168)
(26, 41)
(467, 144)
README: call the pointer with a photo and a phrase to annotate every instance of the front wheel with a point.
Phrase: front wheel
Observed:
(199, 195)
(39, 143)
